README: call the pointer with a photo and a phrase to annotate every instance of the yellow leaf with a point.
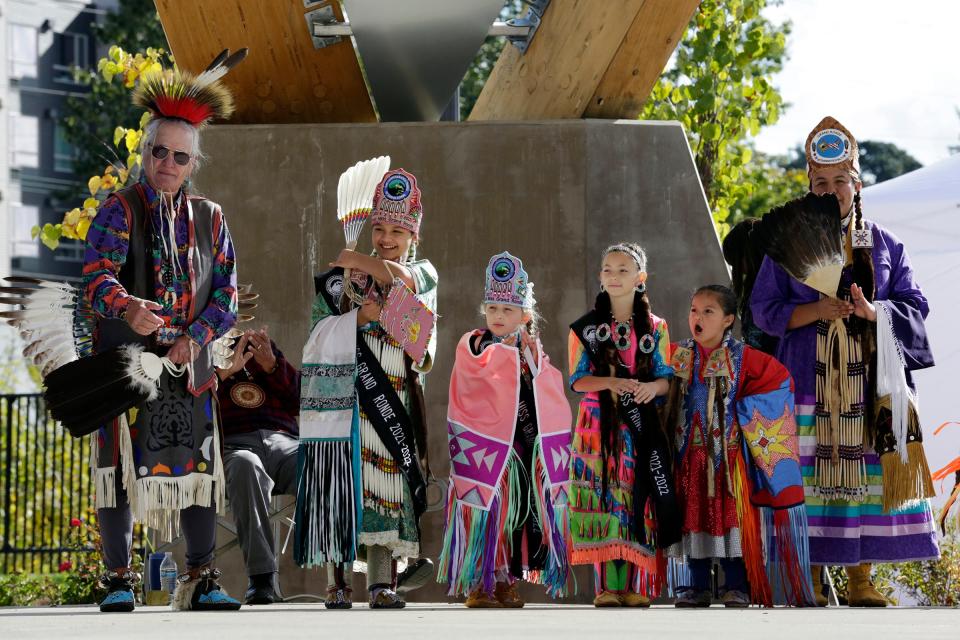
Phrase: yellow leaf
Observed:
(50, 236)
(91, 203)
(68, 231)
(82, 227)
(118, 133)
(115, 52)
(123, 174)
(34, 232)
(133, 160)
(72, 217)
(144, 119)
(110, 168)
(94, 185)
(133, 139)
(109, 182)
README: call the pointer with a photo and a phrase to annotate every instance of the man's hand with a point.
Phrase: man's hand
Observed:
(261, 349)
(183, 351)
(141, 318)
(241, 356)
(833, 308)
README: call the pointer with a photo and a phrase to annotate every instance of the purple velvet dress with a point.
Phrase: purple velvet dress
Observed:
(849, 532)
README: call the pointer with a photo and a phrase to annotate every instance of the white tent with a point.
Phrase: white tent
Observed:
(922, 208)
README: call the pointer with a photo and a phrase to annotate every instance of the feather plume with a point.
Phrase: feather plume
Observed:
(804, 237)
(355, 195)
(173, 93)
(54, 320)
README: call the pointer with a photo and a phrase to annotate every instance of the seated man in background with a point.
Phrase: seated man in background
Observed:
(259, 398)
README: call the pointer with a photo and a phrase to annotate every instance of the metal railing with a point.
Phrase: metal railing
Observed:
(44, 483)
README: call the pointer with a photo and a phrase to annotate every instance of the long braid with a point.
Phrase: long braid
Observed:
(609, 422)
(863, 273)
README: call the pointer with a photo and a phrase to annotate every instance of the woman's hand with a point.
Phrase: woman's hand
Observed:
(862, 308)
(183, 351)
(141, 318)
(829, 308)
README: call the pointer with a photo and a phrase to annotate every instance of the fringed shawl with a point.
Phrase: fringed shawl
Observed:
(481, 420)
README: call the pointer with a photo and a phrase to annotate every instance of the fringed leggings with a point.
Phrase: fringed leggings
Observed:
(198, 524)
(618, 576)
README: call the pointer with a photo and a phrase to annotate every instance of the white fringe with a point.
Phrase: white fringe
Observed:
(104, 483)
(890, 377)
(138, 378)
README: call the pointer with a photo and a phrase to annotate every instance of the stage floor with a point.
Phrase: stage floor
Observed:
(454, 622)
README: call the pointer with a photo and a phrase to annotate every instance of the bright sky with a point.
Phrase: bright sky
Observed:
(889, 70)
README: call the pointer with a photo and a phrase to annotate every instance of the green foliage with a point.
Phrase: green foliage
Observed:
(880, 161)
(720, 88)
(89, 121)
(771, 183)
(477, 74)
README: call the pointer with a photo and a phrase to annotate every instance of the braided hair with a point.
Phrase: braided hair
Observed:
(863, 273)
(643, 362)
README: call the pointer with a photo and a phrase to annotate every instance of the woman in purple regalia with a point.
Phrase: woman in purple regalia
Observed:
(865, 477)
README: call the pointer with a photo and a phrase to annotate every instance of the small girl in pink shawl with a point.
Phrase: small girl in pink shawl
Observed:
(508, 425)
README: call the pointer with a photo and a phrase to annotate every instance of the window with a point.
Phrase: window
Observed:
(63, 151)
(73, 50)
(24, 141)
(22, 51)
(25, 218)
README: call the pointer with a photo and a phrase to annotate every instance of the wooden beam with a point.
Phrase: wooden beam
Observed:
(588, 59)
(647, 47)
(284, 78)
(558, 75)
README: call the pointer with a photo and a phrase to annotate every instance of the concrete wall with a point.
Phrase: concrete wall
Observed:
(553, 193)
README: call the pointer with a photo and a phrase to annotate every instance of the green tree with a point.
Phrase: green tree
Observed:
(720, 88)
(772, 182)
(89, 122)
(880, 161)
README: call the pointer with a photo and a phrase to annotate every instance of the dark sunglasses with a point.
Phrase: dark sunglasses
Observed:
(160, 152)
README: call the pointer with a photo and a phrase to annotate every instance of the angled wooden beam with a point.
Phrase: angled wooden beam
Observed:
(284, 78)
(648, 45)
(588, 58)
(559, 73)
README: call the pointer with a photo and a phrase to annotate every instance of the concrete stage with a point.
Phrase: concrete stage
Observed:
(454, 622)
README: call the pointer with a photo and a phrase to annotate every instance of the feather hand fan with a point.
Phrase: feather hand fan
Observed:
(54, 320)
(354, 202)
(804, 237)
(82, 391)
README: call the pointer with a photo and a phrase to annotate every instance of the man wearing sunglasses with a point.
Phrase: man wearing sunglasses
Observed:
(159, 272)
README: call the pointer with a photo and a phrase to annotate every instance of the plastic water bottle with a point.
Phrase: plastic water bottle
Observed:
(168, 573)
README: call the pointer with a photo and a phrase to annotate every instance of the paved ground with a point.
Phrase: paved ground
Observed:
(454, 622)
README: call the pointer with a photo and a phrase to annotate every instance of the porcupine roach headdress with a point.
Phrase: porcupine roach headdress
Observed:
(180, 95)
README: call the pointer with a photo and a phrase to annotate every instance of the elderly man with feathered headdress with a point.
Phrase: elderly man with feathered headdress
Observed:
(159, 272)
